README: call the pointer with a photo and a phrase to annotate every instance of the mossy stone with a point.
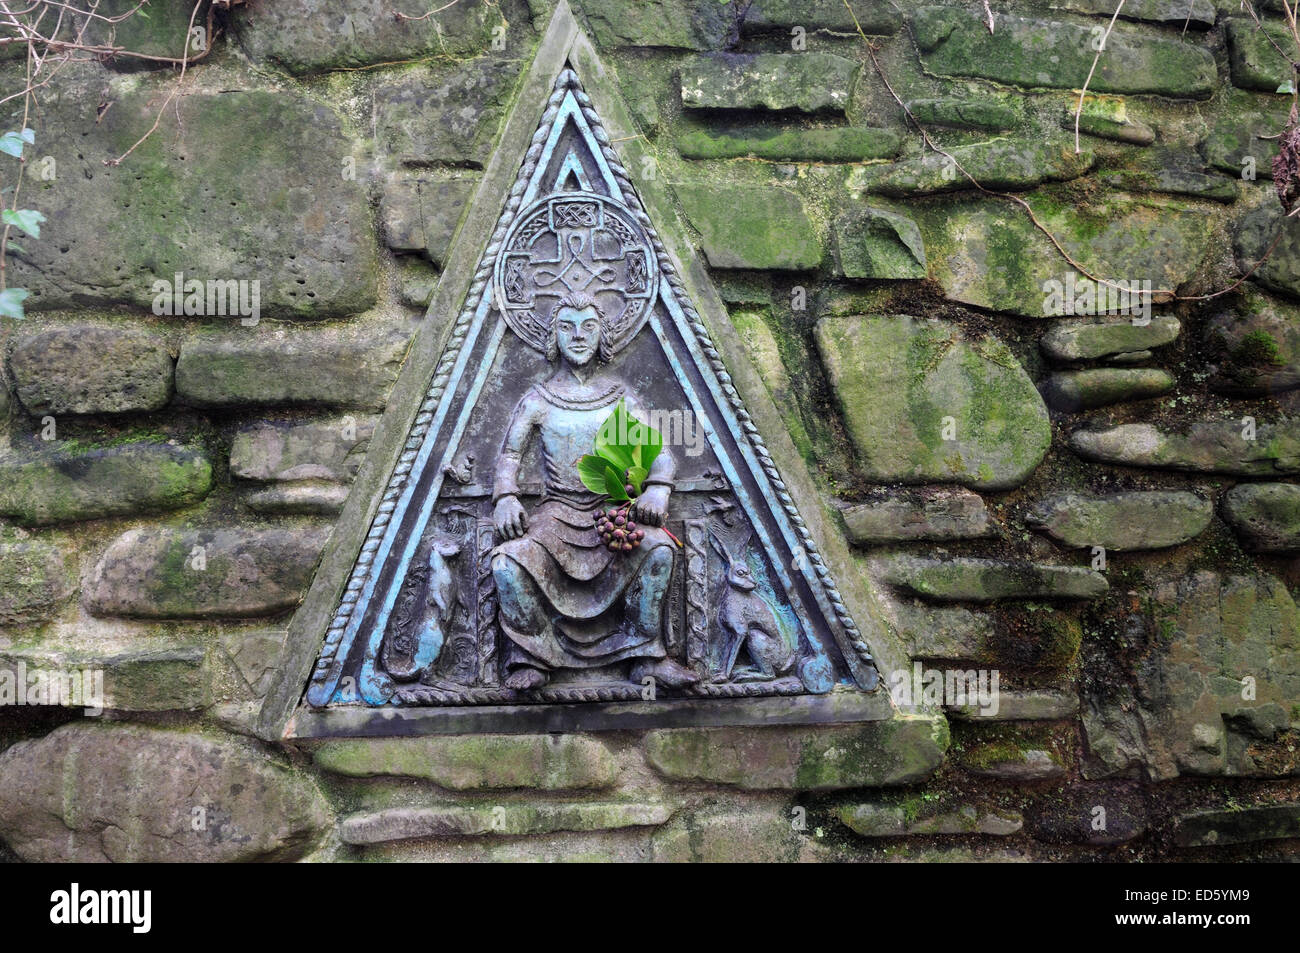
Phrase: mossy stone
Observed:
(1254, 57)
(503, 820)
(996, 164)
(988, 253)
(808, 82)
(1084, 340)
(661, 24)
(1255, 346)
(308, 36)
(923, 404)
(546, 762)
(352, 366)
(34, 581)
(964, 113)
(154, 29)
(965, 579)
(1243, 141)
(443, 112)
(1099, 386)
(1056, 54)
(1230, 447)
(1196, 13)
(752, 227)
(129, 793)
(1258, 823)
(1265, 515)
(875, 243)
(843, 144)
(197, 201)
(902, 750)
(69, 483)
(872, 17)
(83, 368)
(1137, 519)
(161, 573)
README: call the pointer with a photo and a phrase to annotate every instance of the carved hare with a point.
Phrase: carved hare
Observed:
(746, 619)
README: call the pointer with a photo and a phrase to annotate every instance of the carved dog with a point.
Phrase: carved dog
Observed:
(416, 637)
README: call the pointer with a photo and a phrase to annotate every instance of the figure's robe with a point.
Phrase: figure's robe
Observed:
(585, 587)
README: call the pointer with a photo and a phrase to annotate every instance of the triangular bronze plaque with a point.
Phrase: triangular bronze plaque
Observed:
(484, 580)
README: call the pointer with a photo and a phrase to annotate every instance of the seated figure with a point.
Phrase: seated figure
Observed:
(565, 600)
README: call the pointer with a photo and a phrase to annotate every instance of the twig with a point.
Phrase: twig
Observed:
(1101, 48)
(170, 96)
(403, 16)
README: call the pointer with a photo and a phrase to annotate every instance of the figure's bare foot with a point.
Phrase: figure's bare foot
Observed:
(524, 679)
(666, 672)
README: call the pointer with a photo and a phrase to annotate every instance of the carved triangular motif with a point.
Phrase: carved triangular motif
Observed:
(484, 579)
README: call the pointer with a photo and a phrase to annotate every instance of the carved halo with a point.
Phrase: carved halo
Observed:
(575, 241)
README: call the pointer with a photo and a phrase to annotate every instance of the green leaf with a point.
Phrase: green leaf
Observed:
(11, 303)
(1287, 87)
(11, 144)
(28, 136)
(29, 220)
(611, 439)
(636, 476)
(14, 246)
(653, 443)
(614, 484)
(591, 471)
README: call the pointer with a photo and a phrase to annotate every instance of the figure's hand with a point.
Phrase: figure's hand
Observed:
(510, 518)
(651, 507)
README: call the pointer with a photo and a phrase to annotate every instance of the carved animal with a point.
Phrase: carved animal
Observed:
(745, 618)
(419, 630)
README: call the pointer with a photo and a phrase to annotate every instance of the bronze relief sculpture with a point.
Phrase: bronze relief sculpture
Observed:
(486, 578)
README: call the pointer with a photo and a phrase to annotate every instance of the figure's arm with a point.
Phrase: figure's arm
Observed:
(508, 513)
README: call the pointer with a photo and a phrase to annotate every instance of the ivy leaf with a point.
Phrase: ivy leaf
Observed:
(591, 471)
(29, 220)
(614, 484)
(11, 303)
(11, 143)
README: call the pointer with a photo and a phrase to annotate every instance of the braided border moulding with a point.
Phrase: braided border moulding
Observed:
(566, 82)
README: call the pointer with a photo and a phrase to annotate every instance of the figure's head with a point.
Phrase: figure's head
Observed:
(577, 330)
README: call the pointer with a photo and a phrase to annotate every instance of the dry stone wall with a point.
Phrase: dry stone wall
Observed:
(1102, 511)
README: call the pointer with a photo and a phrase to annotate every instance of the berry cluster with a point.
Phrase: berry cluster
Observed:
(617, 529)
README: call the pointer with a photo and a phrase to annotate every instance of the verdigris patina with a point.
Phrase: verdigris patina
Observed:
(518, 582)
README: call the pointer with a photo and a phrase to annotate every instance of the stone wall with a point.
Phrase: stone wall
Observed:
(1103, 511)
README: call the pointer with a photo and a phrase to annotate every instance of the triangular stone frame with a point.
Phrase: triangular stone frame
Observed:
(400, 435)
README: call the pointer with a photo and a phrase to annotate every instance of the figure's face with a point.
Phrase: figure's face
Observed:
(577, 334)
